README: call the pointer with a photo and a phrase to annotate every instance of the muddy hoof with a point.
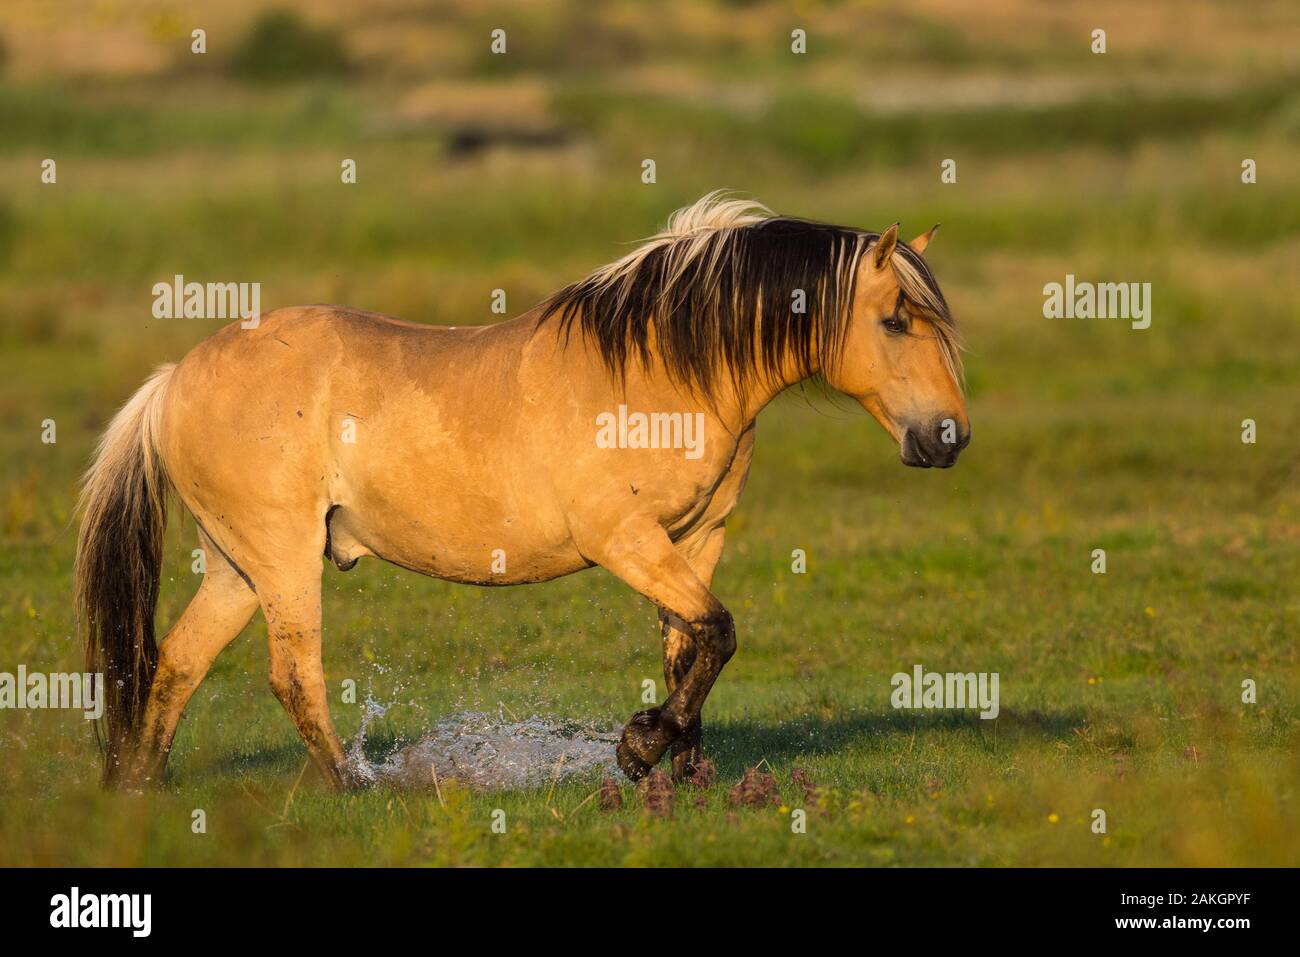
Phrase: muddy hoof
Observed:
(688, 758)
(636, 753)
(683, 767)
(350, 780)
(632, 766)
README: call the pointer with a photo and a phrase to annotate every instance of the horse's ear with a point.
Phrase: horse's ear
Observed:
(920, 243)
(884, 247)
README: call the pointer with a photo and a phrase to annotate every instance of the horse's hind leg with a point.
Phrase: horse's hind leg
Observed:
(291, 601)
(679, 651)
(645, 558)
(215, 615)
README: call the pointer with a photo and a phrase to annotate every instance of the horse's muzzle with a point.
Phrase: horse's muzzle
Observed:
(934, 446)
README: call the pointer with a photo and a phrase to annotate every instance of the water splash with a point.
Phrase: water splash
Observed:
(488, 753)
(357, 761)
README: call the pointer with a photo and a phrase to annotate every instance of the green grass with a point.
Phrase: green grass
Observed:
(1118, 691)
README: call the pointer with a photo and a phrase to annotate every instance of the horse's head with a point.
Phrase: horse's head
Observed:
(898, 357)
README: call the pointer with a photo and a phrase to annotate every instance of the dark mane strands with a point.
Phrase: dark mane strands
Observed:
(714, 292)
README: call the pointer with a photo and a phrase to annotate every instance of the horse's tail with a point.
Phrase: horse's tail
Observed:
(119, 563)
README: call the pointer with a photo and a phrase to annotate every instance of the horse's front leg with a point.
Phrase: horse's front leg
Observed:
(679, 655)
(679, 650)
(644, 557)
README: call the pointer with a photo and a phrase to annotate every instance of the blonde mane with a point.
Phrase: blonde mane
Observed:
(714, 286)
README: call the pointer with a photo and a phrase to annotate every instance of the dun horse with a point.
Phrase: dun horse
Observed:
(445, 450)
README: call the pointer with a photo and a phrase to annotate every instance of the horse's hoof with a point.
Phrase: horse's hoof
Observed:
(685, 764)
(631, 766)
(134, 777)
(637, 752)
(688, 757)
(353, 782)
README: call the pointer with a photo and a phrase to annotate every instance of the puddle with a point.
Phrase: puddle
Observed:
(487, 752)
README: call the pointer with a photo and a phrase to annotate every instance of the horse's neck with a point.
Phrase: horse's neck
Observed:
(762, 392)
(734, 410)
(737, 412)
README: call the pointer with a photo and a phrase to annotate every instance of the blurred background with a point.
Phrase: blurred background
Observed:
(522, 171)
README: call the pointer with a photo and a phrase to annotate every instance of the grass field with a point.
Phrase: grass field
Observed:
(1120, 691)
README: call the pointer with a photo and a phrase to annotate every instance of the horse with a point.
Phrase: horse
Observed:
(487, 455)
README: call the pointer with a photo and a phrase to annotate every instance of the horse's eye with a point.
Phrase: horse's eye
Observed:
(894, 325)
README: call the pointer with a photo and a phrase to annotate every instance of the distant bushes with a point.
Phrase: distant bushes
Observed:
(281, 47)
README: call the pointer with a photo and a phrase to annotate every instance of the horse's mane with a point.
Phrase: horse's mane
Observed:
(713, 292)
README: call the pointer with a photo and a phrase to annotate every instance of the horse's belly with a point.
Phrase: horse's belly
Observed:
(510, 552)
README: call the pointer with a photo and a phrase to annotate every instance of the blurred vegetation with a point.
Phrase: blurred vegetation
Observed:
(281, 47)
(521, 172)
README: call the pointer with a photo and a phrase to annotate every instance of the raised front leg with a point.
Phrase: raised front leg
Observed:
(679, 651)
(645, 558)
